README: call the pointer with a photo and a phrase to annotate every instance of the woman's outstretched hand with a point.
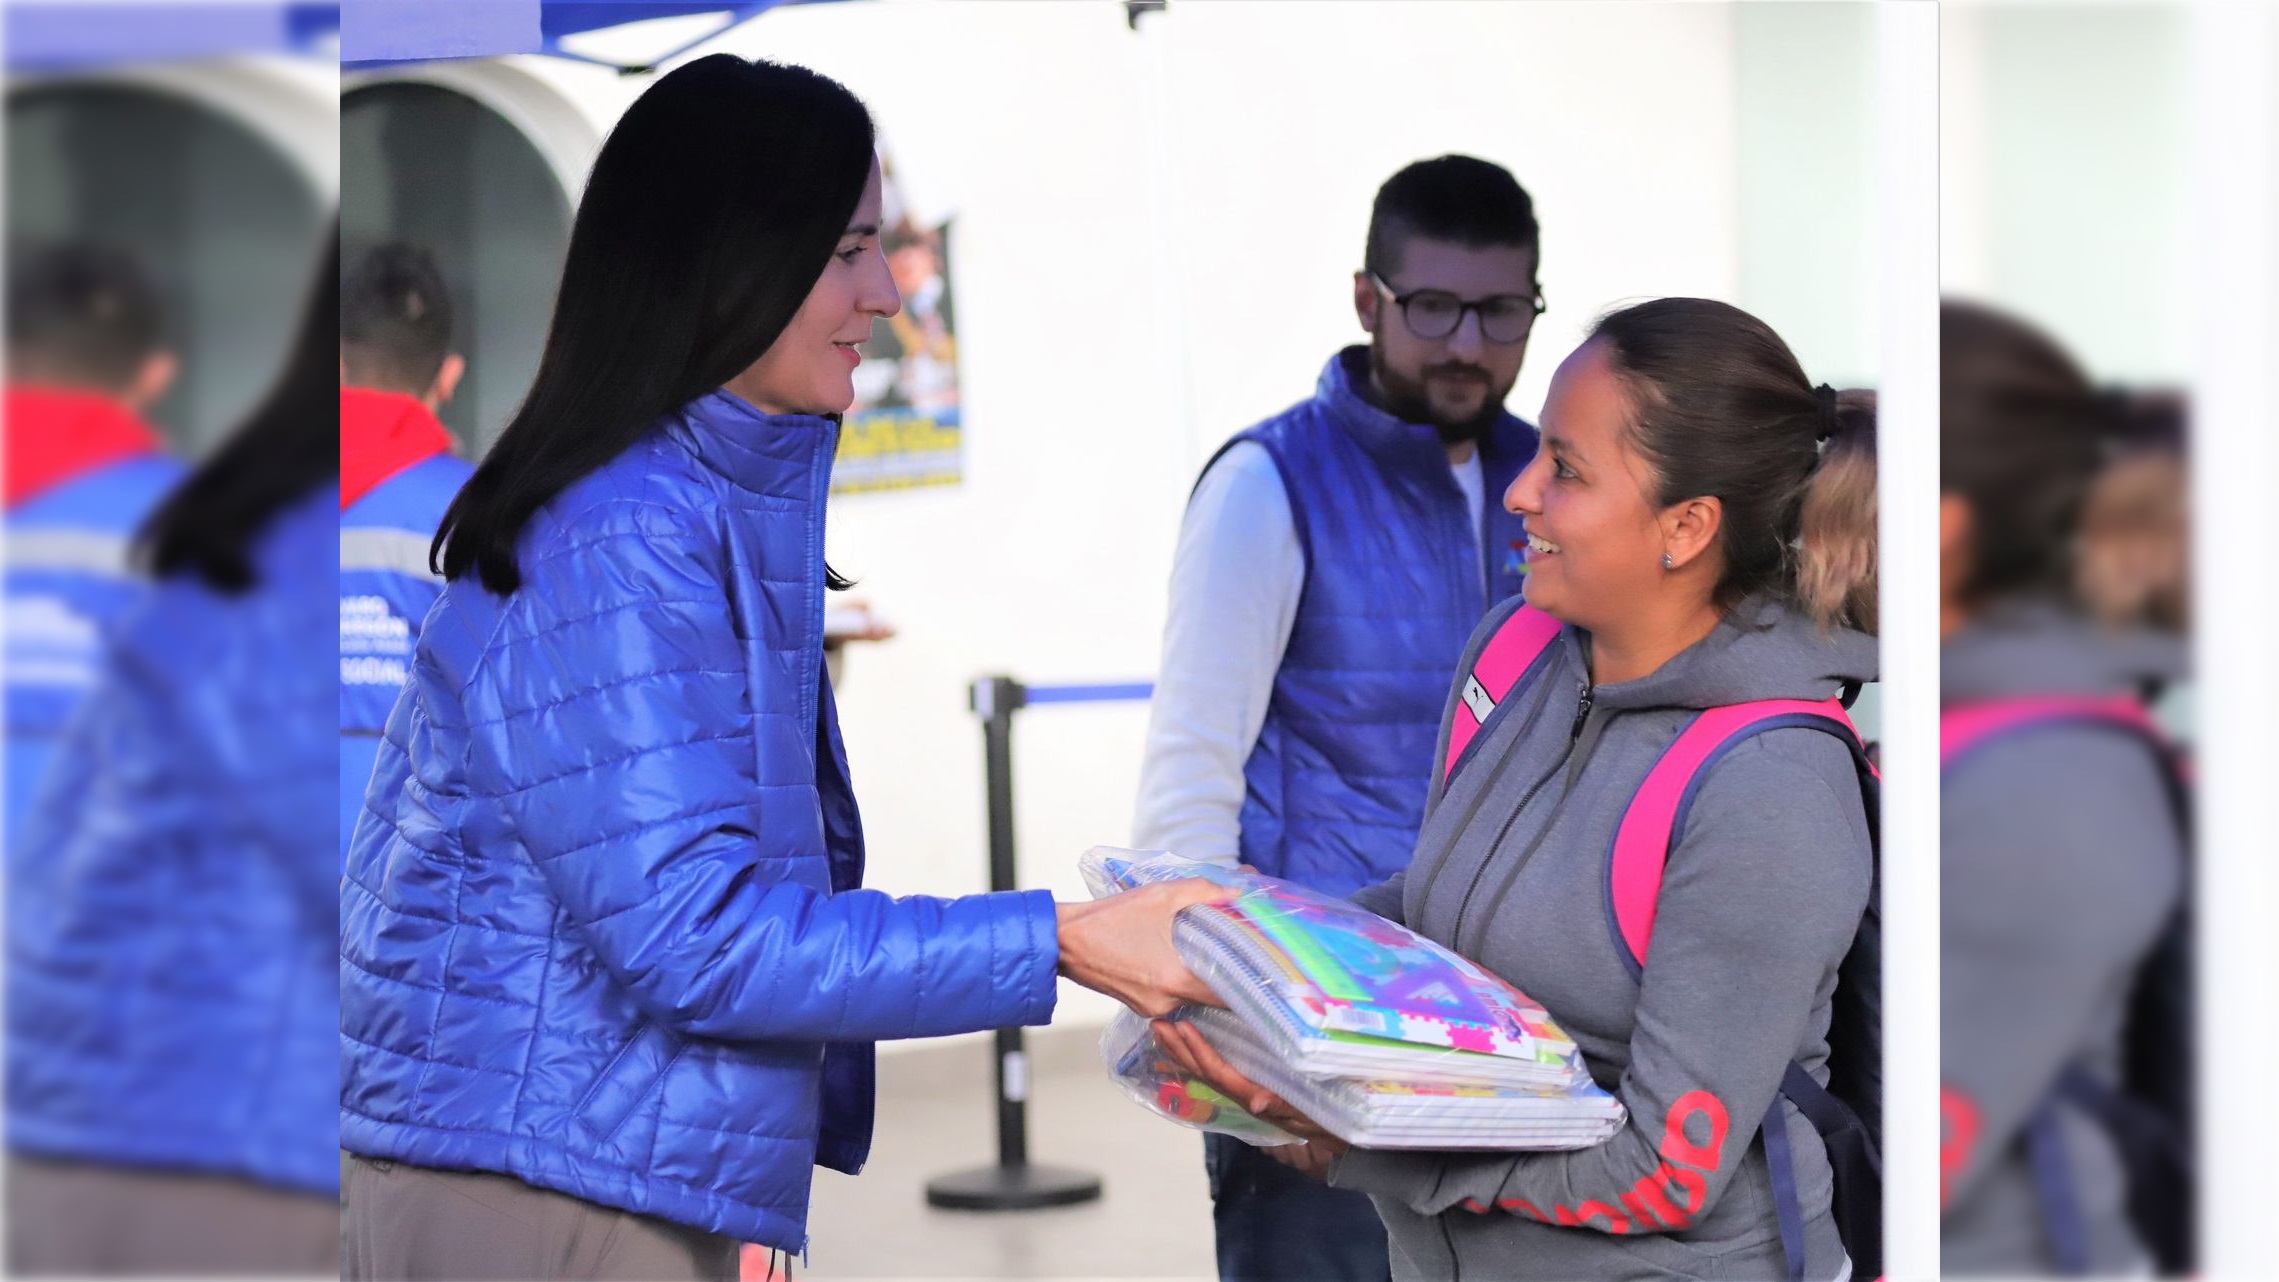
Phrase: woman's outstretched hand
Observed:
(1121, 946)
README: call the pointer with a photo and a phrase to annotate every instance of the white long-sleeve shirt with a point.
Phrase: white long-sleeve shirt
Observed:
(1235, 583)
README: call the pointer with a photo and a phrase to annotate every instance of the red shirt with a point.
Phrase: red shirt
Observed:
(381, 434)
(55, 434)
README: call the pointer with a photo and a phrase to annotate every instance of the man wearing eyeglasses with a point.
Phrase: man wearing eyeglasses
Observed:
(1333, 562)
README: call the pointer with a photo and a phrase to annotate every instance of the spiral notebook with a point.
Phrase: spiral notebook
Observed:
(1405, 1113)
(1334, 989)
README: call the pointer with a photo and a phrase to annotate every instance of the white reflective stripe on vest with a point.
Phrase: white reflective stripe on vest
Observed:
(395, 551)
(74, 551)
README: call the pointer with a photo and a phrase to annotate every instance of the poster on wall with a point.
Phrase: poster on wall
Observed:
(904, 430)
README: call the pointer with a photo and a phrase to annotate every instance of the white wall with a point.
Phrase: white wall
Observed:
(1154, 243)
(2064, 150)
(2063, 145)
(1806, 134)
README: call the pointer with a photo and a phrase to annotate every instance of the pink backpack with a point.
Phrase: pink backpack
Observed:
(2148, 1111)
(1848, 1110)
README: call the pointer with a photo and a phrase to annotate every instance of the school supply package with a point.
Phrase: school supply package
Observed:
(1382, 1036)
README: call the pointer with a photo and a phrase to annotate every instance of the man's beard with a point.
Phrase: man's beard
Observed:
(1408, 400)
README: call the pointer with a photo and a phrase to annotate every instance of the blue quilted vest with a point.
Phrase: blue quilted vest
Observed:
(1336, 784)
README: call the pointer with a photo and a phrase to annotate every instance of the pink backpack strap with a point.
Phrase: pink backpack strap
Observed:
(1965, 726)
(1517, 644)
(1651, 822)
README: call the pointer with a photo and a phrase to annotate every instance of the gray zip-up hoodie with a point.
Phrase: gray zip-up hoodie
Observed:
(1760, 901)
(2060, 861)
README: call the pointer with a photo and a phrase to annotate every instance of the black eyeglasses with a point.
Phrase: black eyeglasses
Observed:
(1434, 314)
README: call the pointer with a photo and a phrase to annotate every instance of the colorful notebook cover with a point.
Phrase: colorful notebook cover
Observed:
(1341, 969)
(1154, 1082)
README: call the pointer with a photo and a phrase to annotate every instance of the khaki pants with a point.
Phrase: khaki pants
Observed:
(83, 1219)
(402, 1223)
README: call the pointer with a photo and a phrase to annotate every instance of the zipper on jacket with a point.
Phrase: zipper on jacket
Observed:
(1574, 732)
(1589, 730)
(1497, 770)
(1582, 714)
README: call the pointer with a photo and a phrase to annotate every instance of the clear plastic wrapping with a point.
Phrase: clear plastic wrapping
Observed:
(1154, 1082)
(1382, 1036)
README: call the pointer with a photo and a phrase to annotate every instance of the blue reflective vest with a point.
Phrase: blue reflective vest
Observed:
(173, 903)
(68, 581)
(386, 588)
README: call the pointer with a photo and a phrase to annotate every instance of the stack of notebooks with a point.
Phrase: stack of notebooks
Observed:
(1381, 1035)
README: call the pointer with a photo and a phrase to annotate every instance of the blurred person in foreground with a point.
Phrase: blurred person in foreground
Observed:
(172, 1014)
(610, 980)
(1331, 563)
(2065, 1005)
(397, 476)
(87, 358)
(1702, 524)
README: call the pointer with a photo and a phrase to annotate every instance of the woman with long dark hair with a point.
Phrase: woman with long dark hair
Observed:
(171, 906)
(1701, 532)
(609, 984)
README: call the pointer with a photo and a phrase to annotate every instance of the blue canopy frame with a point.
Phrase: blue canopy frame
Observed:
(82, 35)
(385, 32)
(75, 35)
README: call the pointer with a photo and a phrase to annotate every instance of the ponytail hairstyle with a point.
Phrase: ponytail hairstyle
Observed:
(1720, 408)
(2076, 494)
(711, 211)
(2132, 562)
(1836, 532)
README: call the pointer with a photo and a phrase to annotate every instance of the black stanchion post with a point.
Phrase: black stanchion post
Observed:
(1013, 1184)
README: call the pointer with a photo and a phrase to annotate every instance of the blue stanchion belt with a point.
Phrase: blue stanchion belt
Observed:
(1127, 691)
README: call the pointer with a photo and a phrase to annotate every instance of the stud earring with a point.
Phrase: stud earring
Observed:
(1667, 563)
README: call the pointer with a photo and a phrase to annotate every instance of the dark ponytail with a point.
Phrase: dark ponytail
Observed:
(712, 209)
(1721, 408)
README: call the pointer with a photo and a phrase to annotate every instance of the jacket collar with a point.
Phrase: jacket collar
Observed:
(1396, 442)
(783, 455)
(1392, 441)
(1762, 649)
(2041, 646)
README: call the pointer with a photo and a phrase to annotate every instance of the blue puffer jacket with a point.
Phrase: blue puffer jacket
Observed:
(1394, 586)
(604, 933)
(172, 909)
(69, 581)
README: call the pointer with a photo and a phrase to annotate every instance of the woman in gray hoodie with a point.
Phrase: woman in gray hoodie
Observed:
(1702, 520)
(2062, 859)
